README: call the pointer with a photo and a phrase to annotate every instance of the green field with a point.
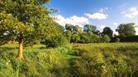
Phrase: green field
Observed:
(76, 60)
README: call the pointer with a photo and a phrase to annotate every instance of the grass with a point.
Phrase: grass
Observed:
(76, 60)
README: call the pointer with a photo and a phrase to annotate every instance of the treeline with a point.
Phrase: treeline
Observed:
(90, 34)
(125, 39)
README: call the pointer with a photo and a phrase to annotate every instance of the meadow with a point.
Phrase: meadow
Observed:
(73, 60)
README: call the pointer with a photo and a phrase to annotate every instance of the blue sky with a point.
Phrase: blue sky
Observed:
(97, 12)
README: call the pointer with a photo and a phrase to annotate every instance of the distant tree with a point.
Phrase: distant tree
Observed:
(108, 31)
(77, 28)
(56, 41)
(98, 32)
(68, 35)
(72, 32)
(84, 37)
(87, 28)
(69, 27)
(75, 37)
(126, 29)
(105, 39)
(25, 20)
(89, 37)
(93, 29)
(90, 28)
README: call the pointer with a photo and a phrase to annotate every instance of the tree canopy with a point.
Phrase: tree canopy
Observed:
(126, 29)
(26, 18)
(107, 31)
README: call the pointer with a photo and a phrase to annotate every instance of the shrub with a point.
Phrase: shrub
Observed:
(75, 38)
(105, 39)
(56, 41)
(89, 37)
(125, 39)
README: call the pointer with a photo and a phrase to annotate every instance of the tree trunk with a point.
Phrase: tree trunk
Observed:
(20, 50)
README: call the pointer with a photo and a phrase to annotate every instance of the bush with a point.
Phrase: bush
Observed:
(75, 38)
(126, 39)
(105, 39)
(89, 37)
(68, 35)
(56, 41)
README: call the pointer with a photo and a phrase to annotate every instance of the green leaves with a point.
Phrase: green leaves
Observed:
(126, 29)
(10, 23)
(28, 17)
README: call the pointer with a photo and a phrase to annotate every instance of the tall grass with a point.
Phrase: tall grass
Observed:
(77, 60)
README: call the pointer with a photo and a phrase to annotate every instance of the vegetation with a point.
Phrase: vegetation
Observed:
(78, 60)
(126, 29)
(90, 34)
(25, 20)
(108, 31)
(50, 50)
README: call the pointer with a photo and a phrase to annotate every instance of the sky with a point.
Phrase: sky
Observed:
(101, 13)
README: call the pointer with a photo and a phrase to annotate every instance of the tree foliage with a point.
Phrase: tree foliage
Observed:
(108, 31)
(126, 29)
(87, 28)
(28, 17)
(26, 21)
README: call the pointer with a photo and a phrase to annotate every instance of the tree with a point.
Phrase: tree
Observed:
(93, 28)
(90, 28)
(75, 37)
(72, 32)
(25, 20)
(87, 28)
(69, 27)
(89, 37)
(77, 28)
(105, 39)
(56, 41)
(68, 35)
(126, 29)
(108, 31)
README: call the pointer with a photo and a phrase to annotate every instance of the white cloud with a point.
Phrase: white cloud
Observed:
(136, 31)
(60, 20)
(100, 15)
(136, 28)
(74, 20)
(115, 25)
(131, 12)
(102, 27)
